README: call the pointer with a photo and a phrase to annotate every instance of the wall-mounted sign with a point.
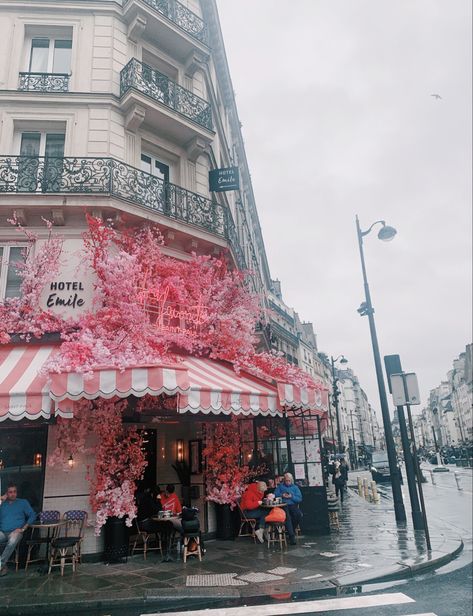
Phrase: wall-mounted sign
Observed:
(70, 293)
(224, 179)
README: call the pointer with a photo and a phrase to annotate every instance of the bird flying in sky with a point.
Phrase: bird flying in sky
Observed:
(436, 96)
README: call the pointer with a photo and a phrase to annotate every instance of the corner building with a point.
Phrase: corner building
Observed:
(118, 109)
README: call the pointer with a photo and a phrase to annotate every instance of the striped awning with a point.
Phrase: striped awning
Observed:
(109, 382)
(216, 388)
(24, 391)
(291, 396)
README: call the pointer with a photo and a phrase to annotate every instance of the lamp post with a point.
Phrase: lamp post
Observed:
(335, 394)
(385, 234)
(354, 461)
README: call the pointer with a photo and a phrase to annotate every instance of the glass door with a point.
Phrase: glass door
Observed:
(53, 162)
(32, 174)
(160, 186)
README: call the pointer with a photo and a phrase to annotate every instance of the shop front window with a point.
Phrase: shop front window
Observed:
(22, 461)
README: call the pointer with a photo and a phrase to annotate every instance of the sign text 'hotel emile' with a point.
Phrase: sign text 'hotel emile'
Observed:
(227, 178)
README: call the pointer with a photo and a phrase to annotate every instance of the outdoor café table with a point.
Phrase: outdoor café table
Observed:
(272, 505)
(52, 529)
(167, 533)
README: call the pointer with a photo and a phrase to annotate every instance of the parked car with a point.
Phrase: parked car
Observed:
(380, 467)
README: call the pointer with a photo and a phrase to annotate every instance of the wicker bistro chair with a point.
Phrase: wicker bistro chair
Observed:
(247, 525)
(15, 557)
(145, 539)
(45, 517)
(276, 533)
(333, 509)
(67, 548)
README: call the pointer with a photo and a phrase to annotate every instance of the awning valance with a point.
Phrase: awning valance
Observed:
(24, 391)
(292, 396)
(109, 382)
(216, 388)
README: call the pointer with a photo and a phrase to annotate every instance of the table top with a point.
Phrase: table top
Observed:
(272, 505)
(162, 519)
(48, 524)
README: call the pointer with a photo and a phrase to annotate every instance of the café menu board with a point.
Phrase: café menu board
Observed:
(305, 450)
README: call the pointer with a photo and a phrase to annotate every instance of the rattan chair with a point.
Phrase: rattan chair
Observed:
(247, 525)
(145, 538)
(45, 517)
(67, 546)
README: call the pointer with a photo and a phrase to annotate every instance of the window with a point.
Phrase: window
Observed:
(9, 280)
(50, 55)
(152, 165)
(41, 174)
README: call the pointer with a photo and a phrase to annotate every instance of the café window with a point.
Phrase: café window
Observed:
(23, 460)
(10, 281)
(263, 443)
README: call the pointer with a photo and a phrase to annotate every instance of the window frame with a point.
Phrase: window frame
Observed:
(52, 38)
(5, 265)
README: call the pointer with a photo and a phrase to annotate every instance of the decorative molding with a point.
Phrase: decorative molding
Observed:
(136, 28)
(195, 148)
(194, 62)
(20, 215)
(57, 216)
(135, 118)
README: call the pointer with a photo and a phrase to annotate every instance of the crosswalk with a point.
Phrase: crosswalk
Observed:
(358, 602)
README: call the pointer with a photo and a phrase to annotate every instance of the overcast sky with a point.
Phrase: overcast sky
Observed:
(338, 119)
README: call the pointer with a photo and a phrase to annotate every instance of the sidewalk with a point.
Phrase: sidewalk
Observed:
(370, 547)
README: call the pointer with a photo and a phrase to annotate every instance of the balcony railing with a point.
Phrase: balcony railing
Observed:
(182, 17)
(44, 82)
(107, 176)
(149, 81)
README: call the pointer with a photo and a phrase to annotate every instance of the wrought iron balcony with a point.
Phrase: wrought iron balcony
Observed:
(182, 17)
(44, 82)
(107, 176)
(149, 81)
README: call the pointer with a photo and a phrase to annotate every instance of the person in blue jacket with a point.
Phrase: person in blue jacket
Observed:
(15, 516)
(291, 496)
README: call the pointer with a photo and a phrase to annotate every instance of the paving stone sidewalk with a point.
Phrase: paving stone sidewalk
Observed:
(370, 546)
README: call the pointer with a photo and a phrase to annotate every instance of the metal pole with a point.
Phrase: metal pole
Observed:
(335, 399)
(324, 478)
(399, 509)
(355, 462)
(410, 471)
(288, 444)
(419, 478)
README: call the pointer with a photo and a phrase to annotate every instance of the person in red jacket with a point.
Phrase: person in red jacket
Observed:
(170, 501)
(250, 504)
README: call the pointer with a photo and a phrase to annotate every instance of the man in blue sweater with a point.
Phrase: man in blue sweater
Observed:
(291, 496)
(15, 515)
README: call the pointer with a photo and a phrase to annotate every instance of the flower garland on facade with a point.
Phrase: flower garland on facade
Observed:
(225, 478)
(119, 457)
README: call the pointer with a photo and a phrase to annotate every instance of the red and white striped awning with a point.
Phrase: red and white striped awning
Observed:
(109, 382)
(216, 388)
(24, 392)
(291, 396)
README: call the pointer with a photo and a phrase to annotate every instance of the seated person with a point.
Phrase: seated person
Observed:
(291, 496)
(15, 515)
(190, 524)
(147, 507)
(170, 501)
(250, 504)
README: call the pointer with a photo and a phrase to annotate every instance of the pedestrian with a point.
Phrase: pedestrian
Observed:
(339, 481)
(15, 516)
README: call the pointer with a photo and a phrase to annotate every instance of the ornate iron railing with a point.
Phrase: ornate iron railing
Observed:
(159, 87)
(44, 82)
(24, 174)
(182, 17)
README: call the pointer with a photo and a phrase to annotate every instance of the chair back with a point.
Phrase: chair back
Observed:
(49, 517)
(242, 513)
(76, 521)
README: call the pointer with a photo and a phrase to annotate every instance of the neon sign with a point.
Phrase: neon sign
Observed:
(170, 317)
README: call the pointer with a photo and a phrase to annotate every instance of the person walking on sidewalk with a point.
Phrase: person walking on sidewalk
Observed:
(15, 516)
(291, 496)
(340, 479)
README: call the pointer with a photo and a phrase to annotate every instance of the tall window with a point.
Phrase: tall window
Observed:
(35, 174)
(9, 280)
(159, 188)
(50, 55)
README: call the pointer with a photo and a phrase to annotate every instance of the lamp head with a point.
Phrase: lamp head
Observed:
(386, 233)
(343, 360)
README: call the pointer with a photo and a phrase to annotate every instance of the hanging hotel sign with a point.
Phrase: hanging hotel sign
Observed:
(170, 317)
(227, 178)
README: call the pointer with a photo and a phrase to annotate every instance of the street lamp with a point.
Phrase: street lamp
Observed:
(335, 394)
(386, 234)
